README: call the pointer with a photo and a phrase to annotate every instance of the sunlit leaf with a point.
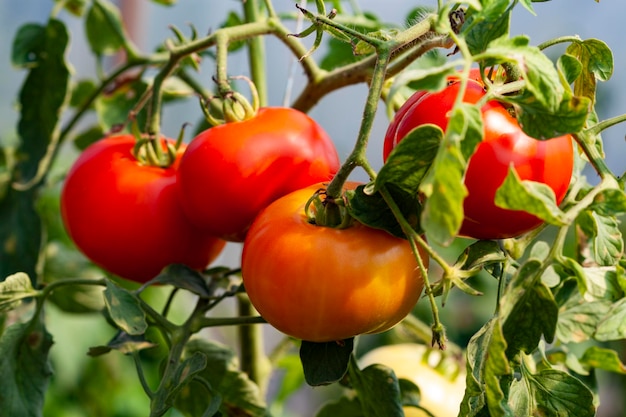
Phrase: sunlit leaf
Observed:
(533, 197)
(487, 24)
(603, 358)
(613, 326)
(104, 28)
(124, 309)
(13, 289)
(597, 63)
(607, 243)
(578, 319)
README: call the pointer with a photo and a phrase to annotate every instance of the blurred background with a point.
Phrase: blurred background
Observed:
(339, 113)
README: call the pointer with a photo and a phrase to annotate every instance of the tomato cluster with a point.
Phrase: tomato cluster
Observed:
(133, 219)
(244, 180)
(504, 145)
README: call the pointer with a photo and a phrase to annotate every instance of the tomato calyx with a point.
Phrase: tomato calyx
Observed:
(325, 211)
(156, 152)
(235, 107)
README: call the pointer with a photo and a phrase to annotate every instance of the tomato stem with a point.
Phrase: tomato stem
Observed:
(256, 52)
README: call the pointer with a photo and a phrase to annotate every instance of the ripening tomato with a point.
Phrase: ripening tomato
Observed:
(504, 144)
(126, 217)
(230, 172)
(323, 284)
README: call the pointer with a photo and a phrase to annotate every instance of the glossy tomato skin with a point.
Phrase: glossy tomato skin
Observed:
(230, 172)
(504, 144)
(126, 217)
(322, 284)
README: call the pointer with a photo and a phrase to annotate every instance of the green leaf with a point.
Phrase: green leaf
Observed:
(13, 289)
(428, 78)
(26, 370)
(325, 363)
(532, 197)
(443, 184)
(528, 310)
(488, 371)
(181, 276)
(542, 79)
(113, 109)
(603, 358)
(124, 343)
(484, 26)
(373, 211)
(541, 123)
(104, 28)
(411, 159)
(378, 390)
(597, 63)
(578, 319)
(613, 325)
(570, 67)
(88, 136)
(551, 392)
(165, 2)
(607, 243)
(292, 378)
(81, 92)
(609, 202)
(41, 100)
(124, 309)
(225, 387)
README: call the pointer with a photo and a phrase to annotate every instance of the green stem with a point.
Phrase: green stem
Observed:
(557, 41)
(357, 156)
(416, 240)
(142, 375)
(227, 321)
(593, 154)
(256, 53)
(253, 359)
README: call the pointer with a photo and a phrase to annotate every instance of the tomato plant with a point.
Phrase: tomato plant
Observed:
(537, 318)
(126, 216)
(295, 274)
(504, 145)
(277, 151)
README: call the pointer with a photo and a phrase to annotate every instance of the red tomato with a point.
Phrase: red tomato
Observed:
(504, 144)
(230, 172)
(323, 284)
(126, 217)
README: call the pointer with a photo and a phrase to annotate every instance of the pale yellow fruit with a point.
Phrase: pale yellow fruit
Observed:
(441, 392)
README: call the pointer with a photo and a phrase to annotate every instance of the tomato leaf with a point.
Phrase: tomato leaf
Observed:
(372, 209)
(578, 319)
(488, 370)
(124, 343)
(75, 7)
(607, 243)
(486, 25)
(325, 363)
(529, 196)
(124, 309)
(104, 28)
(570, 67)
(443, 184)
(113, 108)
(603, 358)
(611, 327)
(292, 378)
(41, 100)
(411, 159)
(597, 63)
(540, 123)
(181, 276)
(225, 387)
(378, 390)
(551, 392)
(26, 370)
(542, 80)
(609, 202)
(528, 310)
(434, 78)
(13, 289)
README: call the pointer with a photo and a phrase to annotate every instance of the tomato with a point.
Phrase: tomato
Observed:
(230, 172)
(504, 144)
(324, 284)
(441, 379)
(126, 218)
